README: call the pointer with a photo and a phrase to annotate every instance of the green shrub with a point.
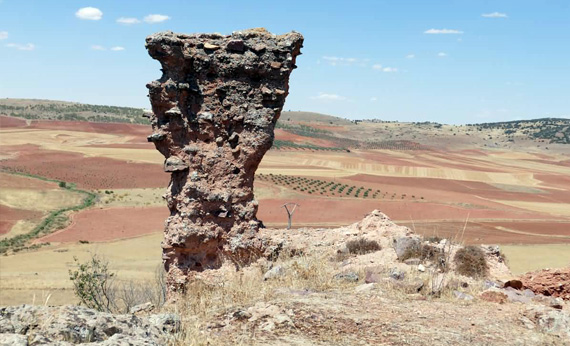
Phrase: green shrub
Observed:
(92, 284)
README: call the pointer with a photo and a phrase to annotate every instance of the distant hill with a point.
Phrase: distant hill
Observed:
(343, 133)
(555, 130)
(70, 111)
(289, 116)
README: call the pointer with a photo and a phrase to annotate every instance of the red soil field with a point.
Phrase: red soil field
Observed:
(13, 181)
(554, 180)
(550, 228)
(9, 217)
(96, 225)
(328, 211)
(6, 122)
(457, 190)
(86, 172)
(455, 161)
(82, 126)
(481, 232)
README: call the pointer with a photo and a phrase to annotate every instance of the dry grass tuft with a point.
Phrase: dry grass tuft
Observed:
(470, 261)
(362, 246)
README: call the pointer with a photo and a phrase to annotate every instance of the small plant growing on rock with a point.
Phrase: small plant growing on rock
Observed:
(362, 246)
(470, 261)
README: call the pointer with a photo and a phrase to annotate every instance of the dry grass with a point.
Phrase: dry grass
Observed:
(362, 246)
(207, 302)
(470, 261)
(40, 200)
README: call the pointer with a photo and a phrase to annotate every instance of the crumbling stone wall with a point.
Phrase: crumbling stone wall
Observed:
(213, 114)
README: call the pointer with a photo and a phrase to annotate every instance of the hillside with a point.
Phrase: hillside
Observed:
(69, 111)
(315, 131)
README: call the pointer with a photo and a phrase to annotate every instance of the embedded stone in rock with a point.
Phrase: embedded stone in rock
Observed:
(213, 114)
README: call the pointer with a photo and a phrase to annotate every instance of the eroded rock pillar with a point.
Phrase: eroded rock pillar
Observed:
(213, 114)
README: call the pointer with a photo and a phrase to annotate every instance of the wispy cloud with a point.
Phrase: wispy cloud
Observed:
(494, 15)
(335, 60)
(442, 54)
(128, 20)
(442, 31)
(18, 46)
(410, 56)
(373, 99)
(101, 48)
(3, 35)
(328, 97)
(379, 67)
(389, 69)
(155, 18)
(89, 13)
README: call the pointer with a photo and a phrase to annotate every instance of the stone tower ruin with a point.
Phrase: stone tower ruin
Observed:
(213, 114)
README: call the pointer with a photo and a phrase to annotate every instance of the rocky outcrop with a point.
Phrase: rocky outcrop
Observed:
(68, 325)
(549, 282)
(213, 114)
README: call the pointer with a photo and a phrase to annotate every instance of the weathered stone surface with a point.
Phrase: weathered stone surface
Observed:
(66, 325)
(404, 244)
(549, 282)
(213, 114)
(551, 321)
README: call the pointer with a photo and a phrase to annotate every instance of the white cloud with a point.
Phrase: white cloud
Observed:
(494, 15)
(389, 69)
(441, 54)
(373, 99)
(97, 47)
(89, 13)
(118, 48)
(379, 67)
(3, 35)
(155, 18)
(27, 46)
(410, 56)
(328, 97)
(335, 60)
(128, 20)
(442, 31)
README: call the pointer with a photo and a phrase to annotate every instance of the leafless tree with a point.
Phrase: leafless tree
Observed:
(290, 212)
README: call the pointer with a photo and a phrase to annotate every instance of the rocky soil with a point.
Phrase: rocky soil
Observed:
(317, 287)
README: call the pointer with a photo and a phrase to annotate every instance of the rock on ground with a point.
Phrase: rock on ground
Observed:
(67, 325)
(549, 282)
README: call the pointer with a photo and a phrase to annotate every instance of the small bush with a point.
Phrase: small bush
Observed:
(470, 261)
(62, 184)
(362, 246)
(92, 283)
(425, 252)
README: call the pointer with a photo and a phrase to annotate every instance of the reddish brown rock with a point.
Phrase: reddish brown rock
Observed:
(213, 114)
(549, 282)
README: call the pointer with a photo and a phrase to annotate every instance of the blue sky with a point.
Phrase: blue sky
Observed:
(451, 61)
